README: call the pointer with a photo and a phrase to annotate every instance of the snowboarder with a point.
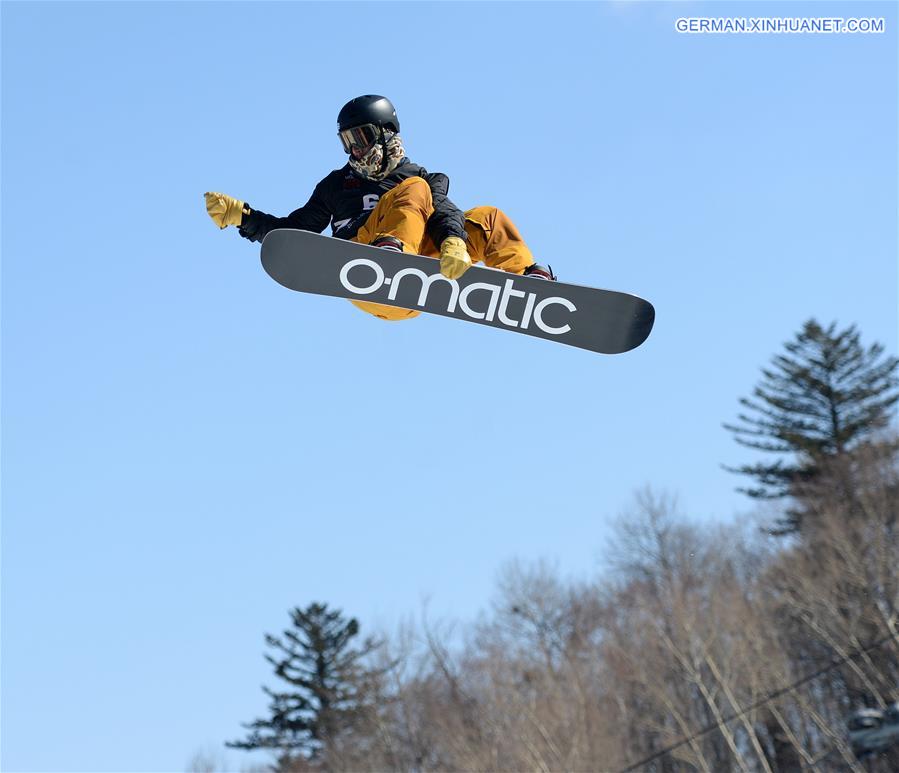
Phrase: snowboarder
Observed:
(381, 197)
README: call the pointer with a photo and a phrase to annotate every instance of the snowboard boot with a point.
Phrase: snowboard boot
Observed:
(381, 311)
(388, 243)
(540, 272)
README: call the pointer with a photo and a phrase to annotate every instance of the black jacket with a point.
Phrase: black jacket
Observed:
(344, 200)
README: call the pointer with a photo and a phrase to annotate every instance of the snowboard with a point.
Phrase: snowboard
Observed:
(602, 321)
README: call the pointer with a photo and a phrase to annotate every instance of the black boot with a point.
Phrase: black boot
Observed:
(388, 243)
(540, 272)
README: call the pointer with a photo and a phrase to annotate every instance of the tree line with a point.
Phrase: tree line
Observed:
(699, 648)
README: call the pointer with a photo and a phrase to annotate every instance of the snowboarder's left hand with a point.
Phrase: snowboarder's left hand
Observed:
(454, 259)
(224, 210)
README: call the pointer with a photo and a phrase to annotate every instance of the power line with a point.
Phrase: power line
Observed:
(761, 702)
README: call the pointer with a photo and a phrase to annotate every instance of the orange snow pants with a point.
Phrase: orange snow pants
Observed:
(403, 212)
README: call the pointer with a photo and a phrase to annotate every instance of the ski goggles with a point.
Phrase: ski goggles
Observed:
(359, 138)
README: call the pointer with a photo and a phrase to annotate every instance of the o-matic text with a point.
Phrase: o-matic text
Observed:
(498, 296)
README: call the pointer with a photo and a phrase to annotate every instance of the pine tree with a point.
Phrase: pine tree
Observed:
(327, 693)
(823, 398)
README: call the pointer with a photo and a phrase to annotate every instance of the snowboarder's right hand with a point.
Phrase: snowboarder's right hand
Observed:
(225, 210)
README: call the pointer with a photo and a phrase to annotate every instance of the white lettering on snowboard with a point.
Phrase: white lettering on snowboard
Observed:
(497, 300)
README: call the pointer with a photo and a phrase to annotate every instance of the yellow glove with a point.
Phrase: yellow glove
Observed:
(454, 260)
(224, 210)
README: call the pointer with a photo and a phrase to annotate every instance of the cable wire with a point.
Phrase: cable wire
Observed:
(761, 702)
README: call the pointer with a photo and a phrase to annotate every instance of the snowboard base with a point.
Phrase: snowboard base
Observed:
(603, 321)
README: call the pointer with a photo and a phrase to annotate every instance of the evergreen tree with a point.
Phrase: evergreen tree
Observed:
(327, 689)
(821, 399)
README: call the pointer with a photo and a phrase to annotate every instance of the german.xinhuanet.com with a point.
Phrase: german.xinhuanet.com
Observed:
(778, 25)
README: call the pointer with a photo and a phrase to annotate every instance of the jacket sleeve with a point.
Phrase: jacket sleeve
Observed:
(447, 219)
(314, 215)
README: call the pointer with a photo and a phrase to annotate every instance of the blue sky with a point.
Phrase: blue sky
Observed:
(189, 449)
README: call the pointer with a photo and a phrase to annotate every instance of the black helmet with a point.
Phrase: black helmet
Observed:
(369, 109)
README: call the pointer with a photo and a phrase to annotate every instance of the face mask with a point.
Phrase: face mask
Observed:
(370, 164)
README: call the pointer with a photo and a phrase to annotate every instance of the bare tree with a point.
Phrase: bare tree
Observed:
(698, 648)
